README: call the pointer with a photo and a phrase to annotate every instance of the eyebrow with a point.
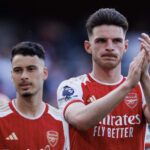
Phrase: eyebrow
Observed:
(25, 67)
(104, 38)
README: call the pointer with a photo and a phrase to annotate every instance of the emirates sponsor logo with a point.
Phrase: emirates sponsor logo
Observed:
(131, 100)
(117, 126)
(52, 137)
(121, 120)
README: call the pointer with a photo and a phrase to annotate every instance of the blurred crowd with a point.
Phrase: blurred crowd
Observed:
(64, 46)
(65, 55)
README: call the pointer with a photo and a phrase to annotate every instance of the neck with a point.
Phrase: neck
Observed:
(107, 75)
(30, 106)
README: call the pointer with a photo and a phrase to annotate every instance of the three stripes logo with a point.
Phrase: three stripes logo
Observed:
(12, 136)
(91, 99)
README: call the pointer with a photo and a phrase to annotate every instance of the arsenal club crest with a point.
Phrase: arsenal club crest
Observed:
(131, 100)
(52, 137)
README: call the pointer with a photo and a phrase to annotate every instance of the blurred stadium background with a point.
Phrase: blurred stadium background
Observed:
(60, 27)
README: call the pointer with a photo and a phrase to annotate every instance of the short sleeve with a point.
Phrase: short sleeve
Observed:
(147, 136)
(69, 91)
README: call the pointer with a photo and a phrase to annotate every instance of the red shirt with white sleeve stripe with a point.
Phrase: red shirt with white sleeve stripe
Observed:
(122, 129)
(20, 132)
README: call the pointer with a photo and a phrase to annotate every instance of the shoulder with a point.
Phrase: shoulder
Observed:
(74, 81)
(3, 99)
(5, 109)
(54, 112)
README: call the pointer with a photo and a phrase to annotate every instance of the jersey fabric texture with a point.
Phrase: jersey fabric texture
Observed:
(147, 136)
(19, 132)
(122, 129)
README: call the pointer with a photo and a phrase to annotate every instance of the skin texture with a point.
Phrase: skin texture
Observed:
(28, 75)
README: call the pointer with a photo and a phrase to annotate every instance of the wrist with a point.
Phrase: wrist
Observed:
(127, 86)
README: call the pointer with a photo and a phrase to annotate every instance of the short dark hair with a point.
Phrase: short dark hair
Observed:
(28, 49)
(106, 16)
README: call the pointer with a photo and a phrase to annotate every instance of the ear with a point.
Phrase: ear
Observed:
(87, 46)
(126, 45)
(45, 73)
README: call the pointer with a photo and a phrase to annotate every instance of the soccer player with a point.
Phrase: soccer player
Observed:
(3, 99)
(27, 123)
(104, 109)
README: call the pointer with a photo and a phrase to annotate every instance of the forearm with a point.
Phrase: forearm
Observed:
(87, 116)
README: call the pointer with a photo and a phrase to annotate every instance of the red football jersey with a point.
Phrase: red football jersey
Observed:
(19, 132)
(122, 129)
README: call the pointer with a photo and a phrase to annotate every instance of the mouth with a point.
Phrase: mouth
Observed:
(25, 86)
(109, 56)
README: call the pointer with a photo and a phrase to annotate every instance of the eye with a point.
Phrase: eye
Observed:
(100, 40)
(117, 40)
(31, 68)
(17, 70)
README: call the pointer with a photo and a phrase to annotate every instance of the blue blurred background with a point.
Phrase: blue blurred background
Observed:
(60, 27)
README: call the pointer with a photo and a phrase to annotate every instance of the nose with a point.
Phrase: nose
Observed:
(24, 75)
(109, 45)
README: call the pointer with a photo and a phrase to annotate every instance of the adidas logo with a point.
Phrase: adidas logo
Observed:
(91, 99)
(12, 136)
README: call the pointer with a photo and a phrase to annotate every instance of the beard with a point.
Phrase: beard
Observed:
(107, 64)
(28, 94)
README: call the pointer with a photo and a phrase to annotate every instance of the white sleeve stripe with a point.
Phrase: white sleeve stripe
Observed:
(54, 112)
(143, 97)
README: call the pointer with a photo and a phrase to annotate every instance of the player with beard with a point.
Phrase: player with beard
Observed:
(104, 109)
(27, 122)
